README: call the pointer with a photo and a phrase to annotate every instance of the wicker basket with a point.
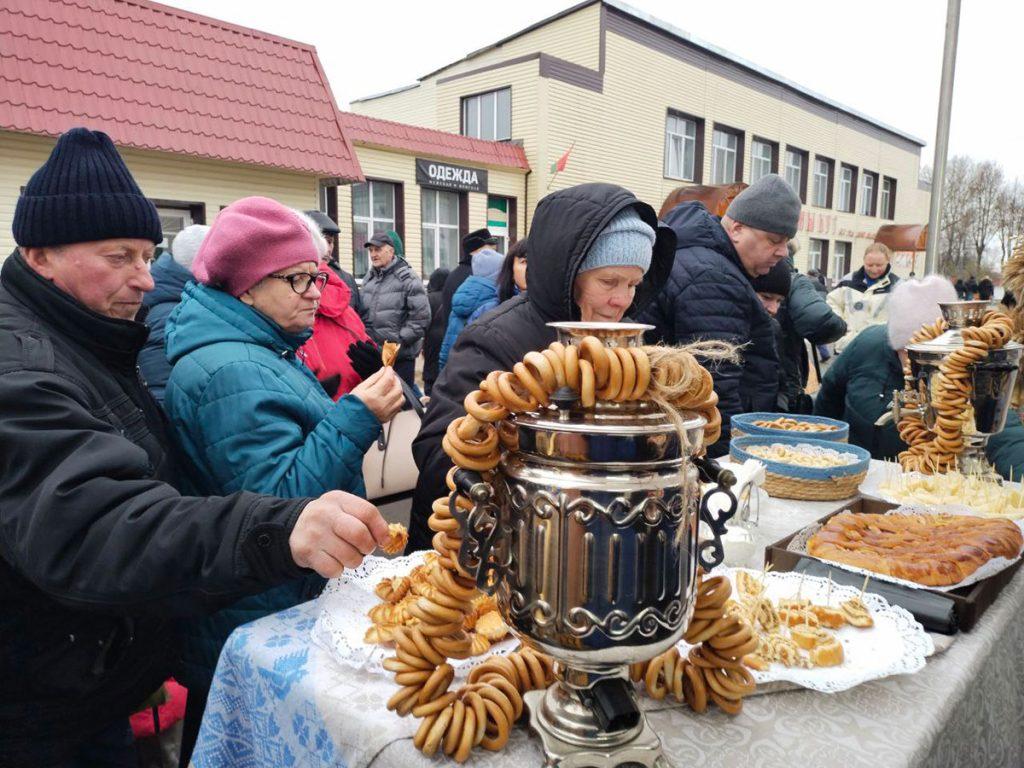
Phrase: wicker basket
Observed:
(743, 426)
(790, 481)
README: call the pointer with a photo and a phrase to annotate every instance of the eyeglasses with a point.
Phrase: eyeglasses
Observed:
(300, 281)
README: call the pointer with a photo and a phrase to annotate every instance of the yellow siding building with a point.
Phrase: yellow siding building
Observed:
(644, 105)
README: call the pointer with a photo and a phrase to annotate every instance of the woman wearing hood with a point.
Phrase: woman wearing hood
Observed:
(247, 413)
(479, 289)
(596, 254)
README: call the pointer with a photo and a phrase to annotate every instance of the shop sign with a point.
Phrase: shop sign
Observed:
(431, 173)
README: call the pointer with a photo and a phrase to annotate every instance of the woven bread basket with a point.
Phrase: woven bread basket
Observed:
(792, 481)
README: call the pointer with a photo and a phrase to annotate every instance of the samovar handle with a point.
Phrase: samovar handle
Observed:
(712, 472)
(481, 531)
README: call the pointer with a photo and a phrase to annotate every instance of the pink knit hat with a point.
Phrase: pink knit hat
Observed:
(250, 239)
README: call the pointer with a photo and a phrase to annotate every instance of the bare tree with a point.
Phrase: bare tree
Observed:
(1009, 218)
(984, 189)
(956, 214)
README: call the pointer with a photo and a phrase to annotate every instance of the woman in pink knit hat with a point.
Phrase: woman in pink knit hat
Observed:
(248, 414)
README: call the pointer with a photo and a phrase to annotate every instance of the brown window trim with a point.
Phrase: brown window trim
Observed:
(741, 146)
(805, 170)
(853, 188)
(513, 220)
(874, 192)
(775, 150)
(698, 151)
(463, 217)
(891, 213)
(196, 210)
(462, 113)
(831, 179)
(332, 211)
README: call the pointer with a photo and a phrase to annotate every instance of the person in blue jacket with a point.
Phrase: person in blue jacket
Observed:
(511, 279)
(170, 274)
(247, 413)
(479, 290)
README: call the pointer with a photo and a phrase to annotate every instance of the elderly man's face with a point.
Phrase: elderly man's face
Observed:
(758, 250)
(875, 264)
(110, 277)
(381, 255)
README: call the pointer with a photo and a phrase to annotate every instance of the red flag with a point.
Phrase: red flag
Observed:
(559, 166)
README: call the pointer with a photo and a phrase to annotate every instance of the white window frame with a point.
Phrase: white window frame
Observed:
(845, 188)
(822, 179)
(432, 229)
(476, 131)
(816, 249)
(721, 154)
(885, 198)
(760, 165)
(360, 256)
(687, 147)
(798, 168)
(839, 270)
(867, 193)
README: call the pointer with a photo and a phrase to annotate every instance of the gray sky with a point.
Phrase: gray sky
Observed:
(880, 57)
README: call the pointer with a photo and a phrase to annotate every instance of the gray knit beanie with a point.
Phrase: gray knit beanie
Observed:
(627, 241)
(186, 244)
(769, 204)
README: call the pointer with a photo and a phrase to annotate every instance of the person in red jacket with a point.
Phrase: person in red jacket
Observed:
(336, 328)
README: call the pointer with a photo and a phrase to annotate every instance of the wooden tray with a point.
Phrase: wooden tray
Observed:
(968, 603)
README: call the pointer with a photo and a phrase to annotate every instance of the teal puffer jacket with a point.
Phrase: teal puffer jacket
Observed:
(249, 415)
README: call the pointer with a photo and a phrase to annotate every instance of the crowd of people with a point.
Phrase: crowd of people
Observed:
(183, 435)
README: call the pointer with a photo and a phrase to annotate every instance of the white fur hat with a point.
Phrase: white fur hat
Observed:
(914, 303)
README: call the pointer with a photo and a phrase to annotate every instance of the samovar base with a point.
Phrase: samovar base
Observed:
(636, 746)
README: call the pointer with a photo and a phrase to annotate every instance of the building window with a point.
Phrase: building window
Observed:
(796, 171)
(684, 138)
(726, 156)
(764, 158)
(373, 210)
(822, 182)
(817, 255)
(847, 187)
(868, 193)
(841, 262)
(488, 115)
(175, 215)
(888, 207)
(439, 218)
(499, 211)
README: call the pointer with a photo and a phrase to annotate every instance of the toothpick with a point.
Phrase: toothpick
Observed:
(800, 586)
(863, 587)
(828, 595)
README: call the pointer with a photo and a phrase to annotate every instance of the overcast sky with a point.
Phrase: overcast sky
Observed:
(880, 57)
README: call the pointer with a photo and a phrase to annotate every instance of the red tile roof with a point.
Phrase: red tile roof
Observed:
(385, 133)
(155, 77)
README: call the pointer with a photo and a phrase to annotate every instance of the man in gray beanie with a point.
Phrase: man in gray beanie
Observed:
(709, 294)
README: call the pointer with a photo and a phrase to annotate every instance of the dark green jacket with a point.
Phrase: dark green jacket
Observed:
(804, 315)
(858, 387)
(1006, 450)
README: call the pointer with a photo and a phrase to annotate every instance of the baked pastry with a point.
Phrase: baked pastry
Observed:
(388, 352)
(932, 550)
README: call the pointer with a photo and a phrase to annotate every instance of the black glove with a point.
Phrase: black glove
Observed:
(331, 384)
(365, 358)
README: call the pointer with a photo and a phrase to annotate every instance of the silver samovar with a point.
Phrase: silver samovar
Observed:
(991, 383)
(588, 535)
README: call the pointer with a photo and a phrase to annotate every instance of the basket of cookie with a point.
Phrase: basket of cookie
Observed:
(800, 468)
(761, 424)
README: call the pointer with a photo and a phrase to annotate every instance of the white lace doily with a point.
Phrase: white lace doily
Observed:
(895, 645)
(799, 544)
(875, 482)
(342, 621)
(821, 451)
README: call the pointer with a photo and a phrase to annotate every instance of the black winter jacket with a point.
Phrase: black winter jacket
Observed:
(98, 554)
(355, 299)
(433, 339)
(565, 226)
(858, 280)
(804, 316)
(709, 297)
(439, 320)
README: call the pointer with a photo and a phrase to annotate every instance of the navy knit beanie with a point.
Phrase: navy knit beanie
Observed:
(83, 192)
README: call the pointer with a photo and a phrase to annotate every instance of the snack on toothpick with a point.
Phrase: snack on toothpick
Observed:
(399, 537)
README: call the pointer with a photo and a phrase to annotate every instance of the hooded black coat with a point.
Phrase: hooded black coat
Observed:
(709, 297)
(565, 226)
(98, 553)
(439, 320)
(435, 333)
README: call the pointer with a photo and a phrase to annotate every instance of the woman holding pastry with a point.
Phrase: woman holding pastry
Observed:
(247, 413)
(596, 254)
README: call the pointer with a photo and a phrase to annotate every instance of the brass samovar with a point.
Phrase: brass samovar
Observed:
(589, 537)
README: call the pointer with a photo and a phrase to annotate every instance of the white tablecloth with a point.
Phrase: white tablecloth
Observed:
(279, 700)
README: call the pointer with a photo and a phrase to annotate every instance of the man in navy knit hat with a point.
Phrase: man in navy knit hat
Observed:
(98, 551)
